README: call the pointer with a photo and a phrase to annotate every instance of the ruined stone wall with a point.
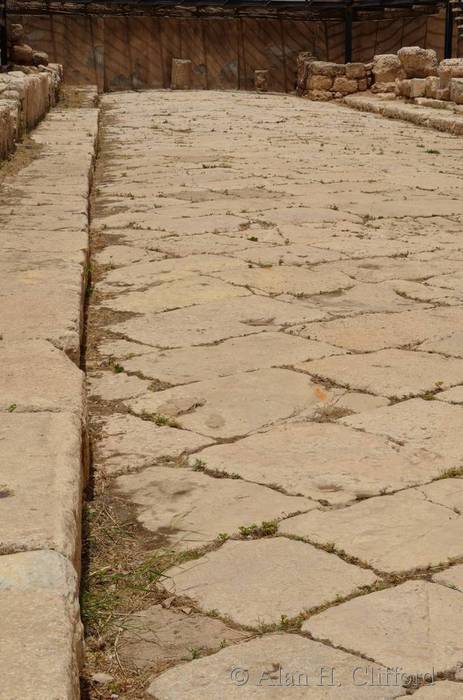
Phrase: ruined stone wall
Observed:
(24, 100)
(136, 52)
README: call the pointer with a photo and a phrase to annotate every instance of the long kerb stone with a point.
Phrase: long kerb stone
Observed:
(44, 250)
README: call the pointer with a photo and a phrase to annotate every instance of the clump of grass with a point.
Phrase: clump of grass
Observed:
(160, 419)
(267, 528)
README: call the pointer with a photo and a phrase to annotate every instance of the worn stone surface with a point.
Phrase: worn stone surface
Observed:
(412, 626)
(452, 577)
(41, 630)
(418, 62)
(188, 509)
(209, 323)
(214, 676)
(441, 690)
(155, 635)
(37, 377)
(41, 482)
(216, 584)
(305, 459)
(129, 443)
(236, 405)
(249, 244)
(428, 532)
(379, 331)
(236, 355)
(393, 373)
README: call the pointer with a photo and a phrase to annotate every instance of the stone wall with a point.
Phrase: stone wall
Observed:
(117, 53)
(26, 95)
(322, 81)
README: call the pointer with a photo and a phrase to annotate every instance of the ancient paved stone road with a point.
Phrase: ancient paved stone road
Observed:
(276, 379)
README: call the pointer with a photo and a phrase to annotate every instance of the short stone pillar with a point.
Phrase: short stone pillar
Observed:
(261, 80)
(181, 76)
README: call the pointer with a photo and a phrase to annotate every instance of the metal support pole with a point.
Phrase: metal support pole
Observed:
(348, 35)
(448, 31)
(3, 35)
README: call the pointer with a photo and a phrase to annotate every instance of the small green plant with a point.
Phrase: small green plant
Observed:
(432, 151)
(117, 368)
(198, 465)
(254, 239)
(267, 528)
(12, 407)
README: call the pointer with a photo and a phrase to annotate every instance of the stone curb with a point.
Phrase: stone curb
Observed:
(44, 257)
(418, 115)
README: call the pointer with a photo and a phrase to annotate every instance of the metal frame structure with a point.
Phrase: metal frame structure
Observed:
(347, 10)
(3, 35)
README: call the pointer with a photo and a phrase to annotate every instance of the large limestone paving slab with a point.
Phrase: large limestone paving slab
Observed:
(297, 577)
(40, 642)
(378, 331)
(392, 373)
(410, 529)
(287, 280)
(155, 272)
(157, 634)
(324, 461)
(433, 425)
(449, 344)
(415, 626)
(274, 666)
(38, 377)
(189, 509)
(209, 323)
(235, 405)
(129, 443)
(41, 482)
(235, 355)
(175, 295)
(112, 386)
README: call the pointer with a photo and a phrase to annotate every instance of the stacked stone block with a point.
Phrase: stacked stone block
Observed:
(328, 81)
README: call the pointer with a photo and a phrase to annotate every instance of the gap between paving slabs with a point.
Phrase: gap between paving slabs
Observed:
(44, 222)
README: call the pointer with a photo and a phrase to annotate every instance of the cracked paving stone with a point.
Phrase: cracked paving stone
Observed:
(213, 322)
(288, 280)
(323, 461)
(433, 425)
(188, 509)
(111, 386)
(174, 295)
(448, 345)
(157, 635)
(379, 331)
(452, 577)
(391, 373)
(297, 577)
(171, 270)
(235, 355)
(129, 443)
(272, 667)
(407, 530)
(232, 406)
(415, 626)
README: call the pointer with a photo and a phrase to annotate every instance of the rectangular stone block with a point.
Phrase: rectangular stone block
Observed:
(432, 86)
(456, 90)
(41, 637)
(41, 483)
(417, 87)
